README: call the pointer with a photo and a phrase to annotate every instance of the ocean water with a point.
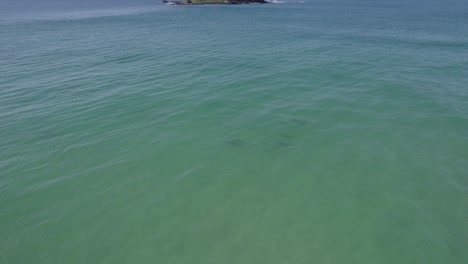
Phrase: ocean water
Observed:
(295, 132)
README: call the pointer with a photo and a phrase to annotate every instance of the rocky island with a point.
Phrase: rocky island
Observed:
(214, 2)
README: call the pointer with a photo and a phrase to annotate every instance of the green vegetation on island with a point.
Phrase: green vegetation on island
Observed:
(214, 2)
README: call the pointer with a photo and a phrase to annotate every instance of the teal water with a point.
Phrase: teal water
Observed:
(295, 132)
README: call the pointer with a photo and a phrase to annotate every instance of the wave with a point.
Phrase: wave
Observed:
(77, 15)
(286, 1)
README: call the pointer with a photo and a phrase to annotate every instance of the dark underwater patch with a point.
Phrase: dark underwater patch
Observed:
(283, 144)
(298, 122)
(235, 142)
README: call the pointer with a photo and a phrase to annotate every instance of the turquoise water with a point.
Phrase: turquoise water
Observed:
(295, 132)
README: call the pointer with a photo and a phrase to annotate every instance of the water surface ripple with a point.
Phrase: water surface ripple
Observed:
(296, 132)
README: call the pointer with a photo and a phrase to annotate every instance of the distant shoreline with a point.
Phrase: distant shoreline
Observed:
(215, 2)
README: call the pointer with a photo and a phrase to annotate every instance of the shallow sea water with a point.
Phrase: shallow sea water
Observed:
(294, 132)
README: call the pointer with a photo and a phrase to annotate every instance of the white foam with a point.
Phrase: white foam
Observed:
(285, 1)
